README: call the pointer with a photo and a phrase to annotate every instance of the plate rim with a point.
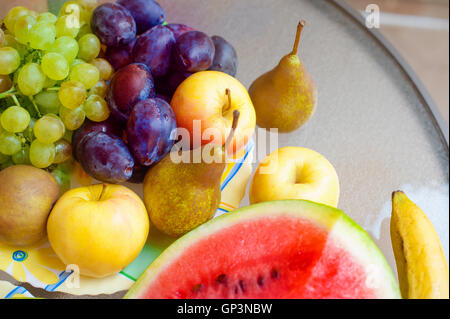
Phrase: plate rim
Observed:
(427, 101)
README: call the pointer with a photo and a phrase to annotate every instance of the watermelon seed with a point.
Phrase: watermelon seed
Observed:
(260, 281)
(197, 288)
(222, 279)
(242, 285)
(274, 274)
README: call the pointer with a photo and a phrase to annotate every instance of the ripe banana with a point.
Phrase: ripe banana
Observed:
(421, 264)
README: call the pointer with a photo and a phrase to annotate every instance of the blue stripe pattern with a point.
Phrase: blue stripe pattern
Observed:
(238, 165)
(16, 291)
(62, 277)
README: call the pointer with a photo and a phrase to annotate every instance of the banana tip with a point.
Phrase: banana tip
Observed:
(395, 192)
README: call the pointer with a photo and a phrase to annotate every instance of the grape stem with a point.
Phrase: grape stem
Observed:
(14, 97)
(35, 106)
(55, 88)
(8, 93)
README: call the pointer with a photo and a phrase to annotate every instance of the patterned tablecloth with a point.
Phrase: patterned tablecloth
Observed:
(38, 265)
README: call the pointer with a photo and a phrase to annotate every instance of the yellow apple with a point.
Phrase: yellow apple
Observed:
(100, 228)
(203, 97)
(295, 173)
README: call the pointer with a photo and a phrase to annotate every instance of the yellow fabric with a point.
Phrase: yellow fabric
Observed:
(39, 265)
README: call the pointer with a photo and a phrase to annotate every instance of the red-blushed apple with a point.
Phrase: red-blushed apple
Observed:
(210, 97)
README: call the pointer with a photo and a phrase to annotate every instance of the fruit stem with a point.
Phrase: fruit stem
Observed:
(12, 90)
(35, 106)
(300, 26)
(54, 88)
(14, 97)
(228, 94)
(236, 114)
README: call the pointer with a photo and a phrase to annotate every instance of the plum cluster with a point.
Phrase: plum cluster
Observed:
(151, 58)
(135, 32)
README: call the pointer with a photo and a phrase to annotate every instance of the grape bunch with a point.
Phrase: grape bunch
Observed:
(52, 77)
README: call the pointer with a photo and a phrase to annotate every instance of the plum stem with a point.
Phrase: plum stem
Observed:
(300, 26)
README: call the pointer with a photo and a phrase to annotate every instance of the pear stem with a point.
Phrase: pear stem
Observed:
(236, 114)
(300, 26)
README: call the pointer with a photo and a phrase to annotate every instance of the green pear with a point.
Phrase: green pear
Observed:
(180, 196)
(286, 96)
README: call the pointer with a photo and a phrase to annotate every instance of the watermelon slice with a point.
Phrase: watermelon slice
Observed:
(278, 249)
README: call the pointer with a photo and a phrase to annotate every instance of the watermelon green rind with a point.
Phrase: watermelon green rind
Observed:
(363, 248)
(352, 236)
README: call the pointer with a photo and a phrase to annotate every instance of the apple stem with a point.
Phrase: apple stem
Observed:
(228, 94)
(236, 114)
(300, 26)
(103, 191)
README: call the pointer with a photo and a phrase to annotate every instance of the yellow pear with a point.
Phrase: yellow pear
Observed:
(421, 264)
(285, 97)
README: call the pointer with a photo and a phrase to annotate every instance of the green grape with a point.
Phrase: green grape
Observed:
(3, 158)
(100, 88)
(15, 119)
(22, 28)
(87, 7)
(89, 47)
(66, 46)
(85, 73)
(13, 15)
(70, 7)
(9, 60)
(16, 77)
(55, 66)
(104, 67)
(42, 35)
(63, 151)
(68, 135)
(72, 119)
(22, 156)
(47, 16)
(33, 13)
(48, 102)
(67, 25)
(48, 83)
(31, 79)
(28, 133)
(72, 94)
(42, 154)
(96, 108)
(85, 29)
(49, 128)
(5, 83)
(62, 178)
(10, 41)
(2, 37)
(76, 62)
(10, 143)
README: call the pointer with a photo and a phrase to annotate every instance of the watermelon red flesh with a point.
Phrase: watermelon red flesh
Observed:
(282, 257)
